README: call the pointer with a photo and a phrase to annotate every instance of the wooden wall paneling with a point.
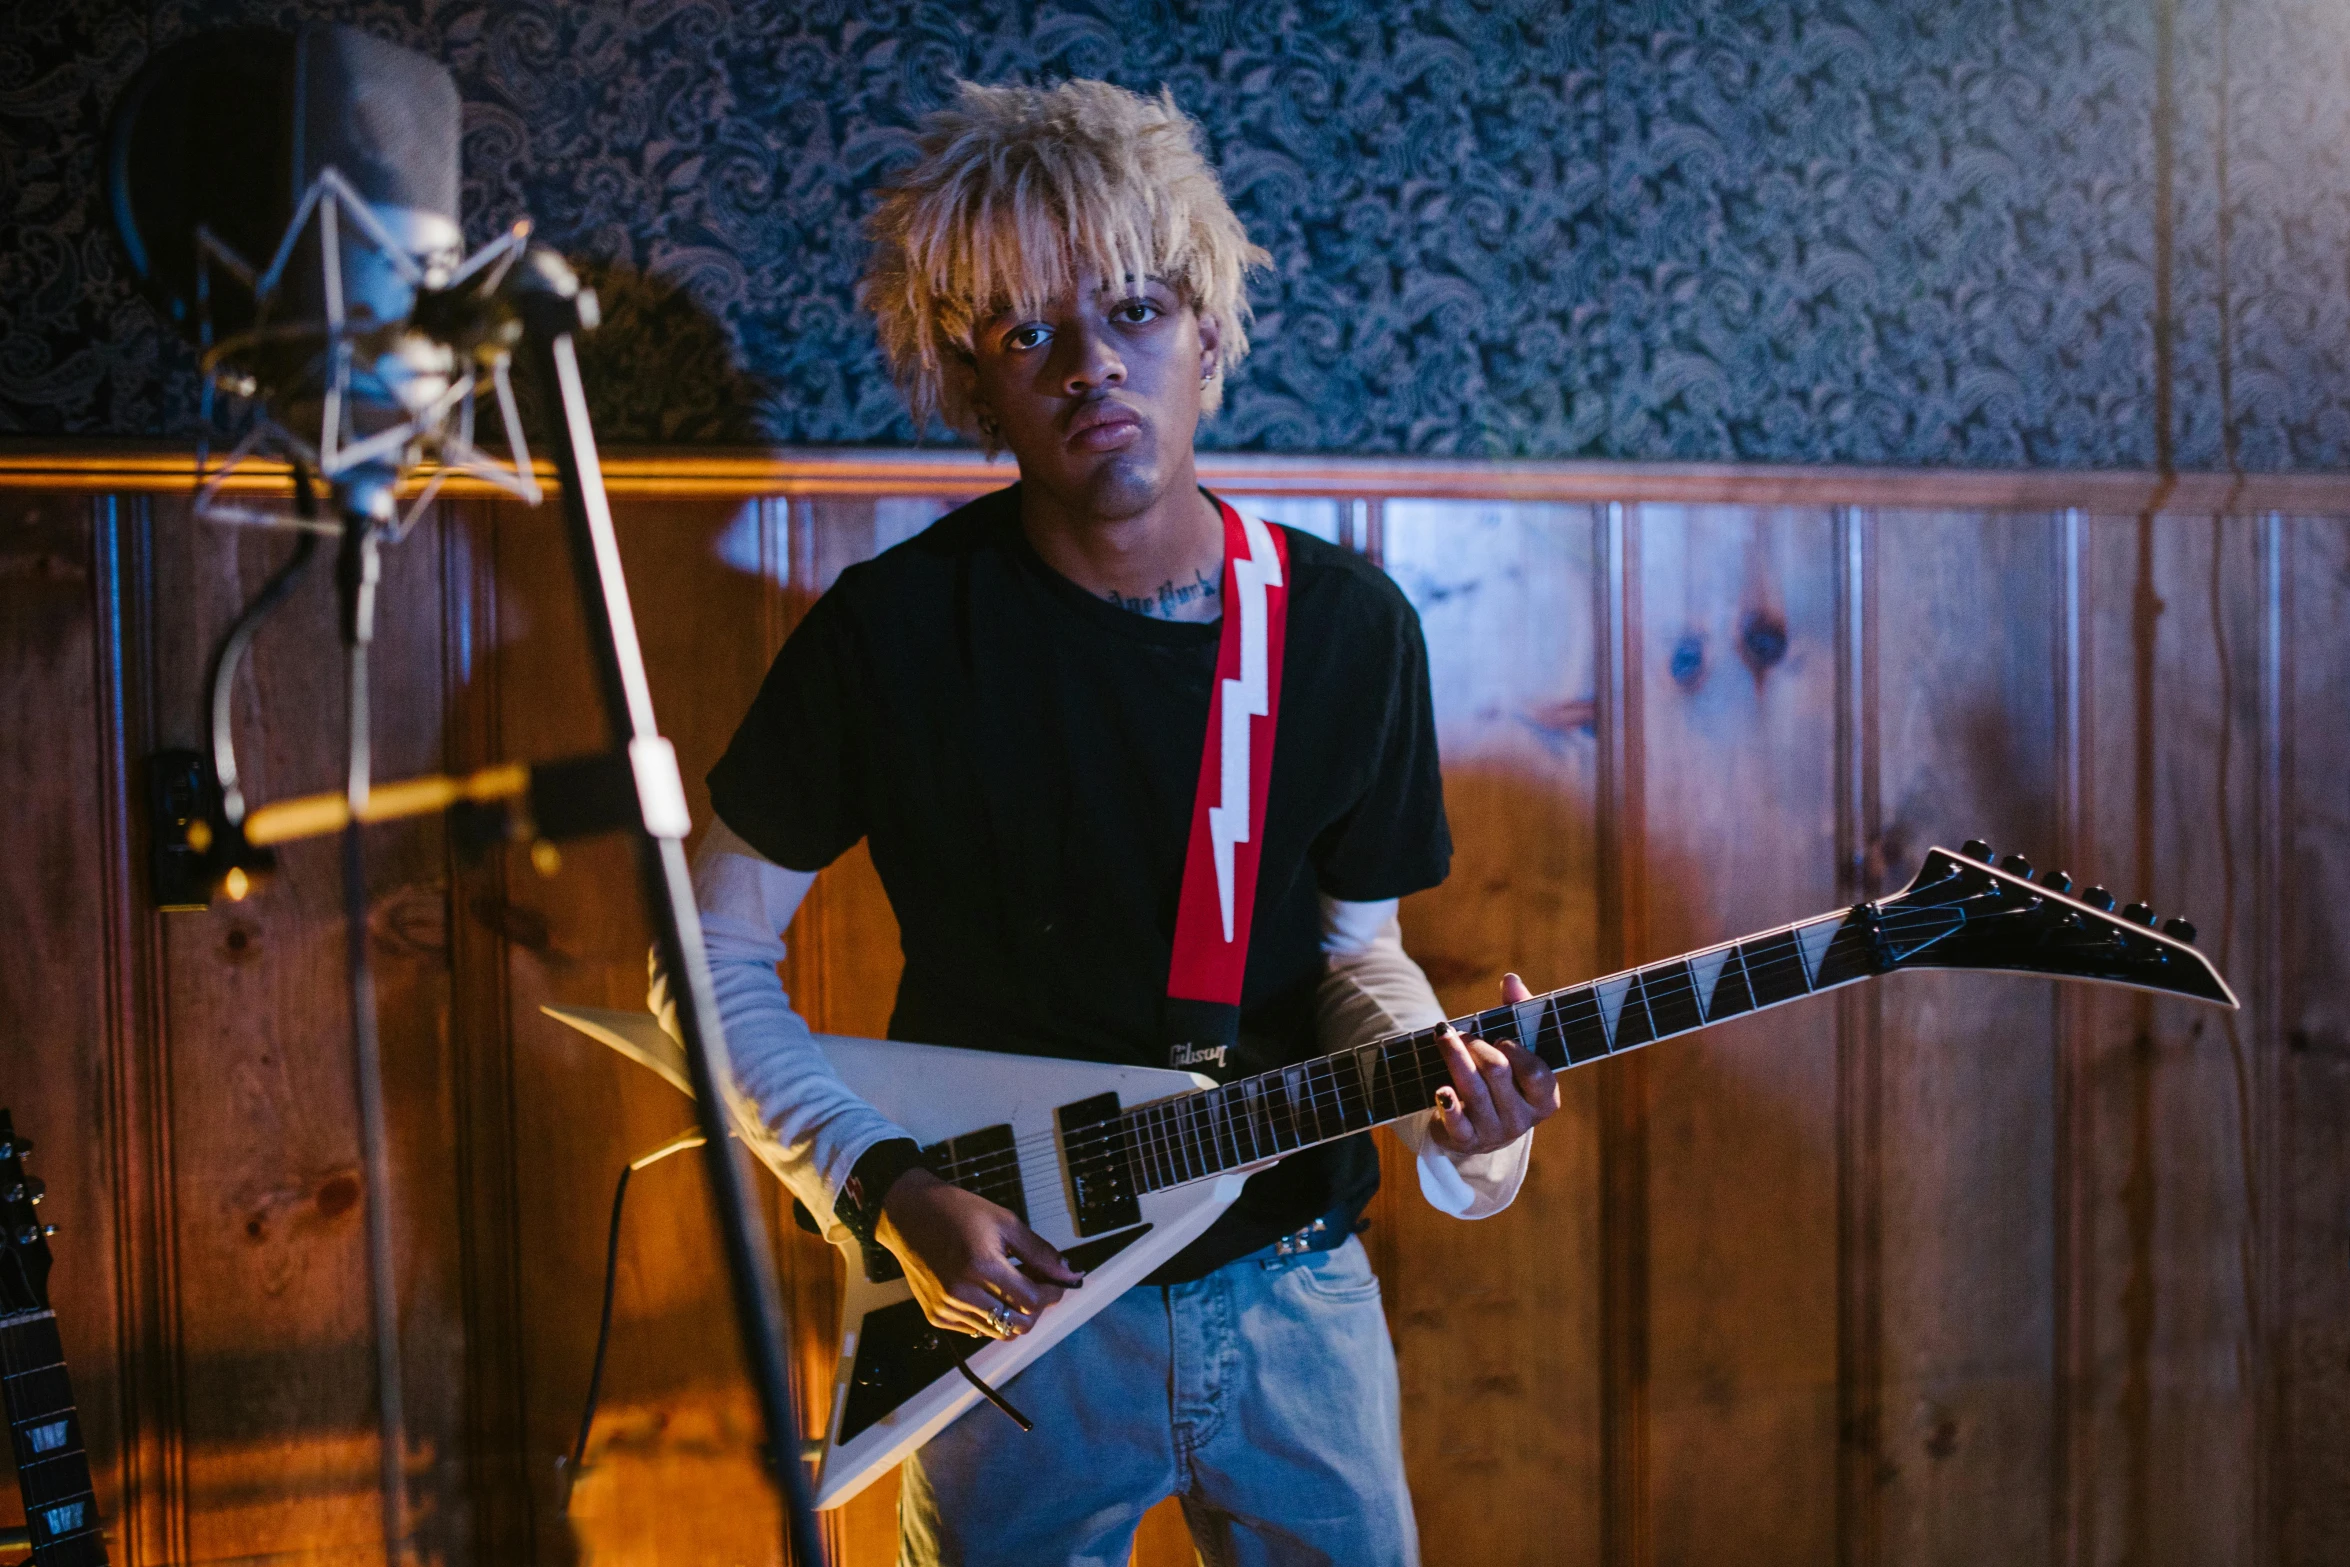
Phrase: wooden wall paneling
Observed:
(2071, 1283)
(151, 1525)
(508, 1489)
(58, 1071)
(673, 1474)
(1497, 1322)
(274, 1323)
(1737, 697)
(2172, 1265)
(1860, 1017)
(1626, 1520)
(1967, 720)
(2312, 1193)
(2165, 1383)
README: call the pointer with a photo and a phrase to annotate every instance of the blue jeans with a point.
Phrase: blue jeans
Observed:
(1263, 1396)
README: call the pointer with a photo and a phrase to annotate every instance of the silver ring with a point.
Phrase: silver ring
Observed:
(1002, 1317)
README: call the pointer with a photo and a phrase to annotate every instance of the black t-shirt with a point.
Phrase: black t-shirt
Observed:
(1023, 758)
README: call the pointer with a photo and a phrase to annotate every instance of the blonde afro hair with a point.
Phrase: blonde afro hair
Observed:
(1020, 191)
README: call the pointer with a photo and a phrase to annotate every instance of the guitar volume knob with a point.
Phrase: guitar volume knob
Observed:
(2098, 898)
(2143, 913)
(2179, 930)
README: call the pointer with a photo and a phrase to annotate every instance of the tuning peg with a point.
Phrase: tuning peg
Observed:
(2017, 865)
(15, 1147)
(2143, 913)
(2179, 930)
(31, 1189)
(2057, 881)
(1976, 849)
(27, 1234)
(2098, 898)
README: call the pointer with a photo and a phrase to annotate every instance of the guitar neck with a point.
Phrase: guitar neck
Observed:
(61, 1513)
(1195, 1136)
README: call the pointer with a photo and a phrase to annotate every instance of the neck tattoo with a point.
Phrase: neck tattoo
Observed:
(1193, 600)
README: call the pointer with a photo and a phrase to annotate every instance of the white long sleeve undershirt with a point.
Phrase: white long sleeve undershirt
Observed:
(819, 1129)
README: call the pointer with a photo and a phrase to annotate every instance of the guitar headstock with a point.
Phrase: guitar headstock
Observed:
(1973, 910)
(24, 1239)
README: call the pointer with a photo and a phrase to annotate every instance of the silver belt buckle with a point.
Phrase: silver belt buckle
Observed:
(1299, 1242)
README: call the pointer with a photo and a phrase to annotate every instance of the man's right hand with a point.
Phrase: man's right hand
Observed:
(964, 1256)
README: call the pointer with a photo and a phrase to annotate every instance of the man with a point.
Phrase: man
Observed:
(1011, 709)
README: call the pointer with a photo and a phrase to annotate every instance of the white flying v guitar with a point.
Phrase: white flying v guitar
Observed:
(1121, 1167)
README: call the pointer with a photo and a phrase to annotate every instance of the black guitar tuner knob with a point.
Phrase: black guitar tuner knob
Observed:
(2098, 898)
(15, 1147)
(2017, 865)
(2143, 913)
(27, 1234)
(2057, 881)
(2179, 930)
(1976, 849)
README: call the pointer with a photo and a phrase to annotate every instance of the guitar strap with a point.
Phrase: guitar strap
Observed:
(1219, 896)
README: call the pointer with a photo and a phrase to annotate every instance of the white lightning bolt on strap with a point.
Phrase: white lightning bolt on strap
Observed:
(1244, 699)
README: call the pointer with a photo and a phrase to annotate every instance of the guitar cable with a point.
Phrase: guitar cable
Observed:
(587, 1416)
(595, 1388)
(963, 1364)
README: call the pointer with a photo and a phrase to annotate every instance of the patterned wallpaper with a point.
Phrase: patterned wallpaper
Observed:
(2062, 233)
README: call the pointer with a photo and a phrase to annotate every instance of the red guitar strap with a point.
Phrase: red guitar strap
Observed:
(1213, 915)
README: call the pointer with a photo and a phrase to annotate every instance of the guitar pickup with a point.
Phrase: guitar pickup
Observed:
(1093, 1156)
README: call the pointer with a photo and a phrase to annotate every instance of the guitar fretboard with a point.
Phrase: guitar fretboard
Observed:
(1172, 1142)
(46, 1432)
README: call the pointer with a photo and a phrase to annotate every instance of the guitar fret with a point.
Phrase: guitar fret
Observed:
(1671, 992)
(1142, 1137)
(1163, 1145)
(1227, 1135)
(39, 1393)
(1774, 969)
(1582, 1024)
(1171, 1130)
(30, 1342)
(61, 1478)
(1137, 1179)
(1428, 1072)
(1731, 994)
(1186, 1132)
(1339, 1098)
(1388, 1097)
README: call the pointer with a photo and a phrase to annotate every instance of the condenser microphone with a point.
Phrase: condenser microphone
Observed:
(290, 201)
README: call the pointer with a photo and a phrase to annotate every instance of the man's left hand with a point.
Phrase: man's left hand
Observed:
(1499, 1092)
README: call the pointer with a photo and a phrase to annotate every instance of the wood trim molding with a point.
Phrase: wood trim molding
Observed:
(152, 1526)
(959, 471)
(1627, 1529)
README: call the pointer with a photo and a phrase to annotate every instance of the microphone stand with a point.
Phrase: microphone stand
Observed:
(364, 500)
(554, 310)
